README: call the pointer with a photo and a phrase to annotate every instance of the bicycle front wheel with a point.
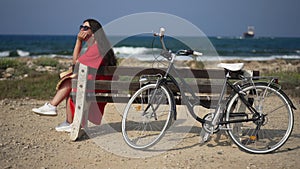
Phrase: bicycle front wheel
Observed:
(147, 115)
(271, 130)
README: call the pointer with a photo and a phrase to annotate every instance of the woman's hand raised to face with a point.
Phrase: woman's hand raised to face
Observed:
(83, 36)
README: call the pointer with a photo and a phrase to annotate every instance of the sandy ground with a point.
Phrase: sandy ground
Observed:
(30, 141)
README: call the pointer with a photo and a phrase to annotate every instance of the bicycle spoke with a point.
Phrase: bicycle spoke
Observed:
(276, 109)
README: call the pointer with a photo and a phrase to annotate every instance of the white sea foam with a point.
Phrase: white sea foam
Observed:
(53, 56)
(134, 50)
(144, 53)
(4, 53)
(141, 53)
(22, 53)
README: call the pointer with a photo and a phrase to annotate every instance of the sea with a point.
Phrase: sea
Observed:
(147, 47)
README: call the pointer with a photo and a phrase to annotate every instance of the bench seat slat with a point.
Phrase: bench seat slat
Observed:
(207, 101)
(127, 86)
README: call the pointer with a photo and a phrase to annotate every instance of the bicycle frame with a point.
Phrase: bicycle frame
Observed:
(194, 100)
(183, 87)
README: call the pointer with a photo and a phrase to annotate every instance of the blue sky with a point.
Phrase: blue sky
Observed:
(276, 18)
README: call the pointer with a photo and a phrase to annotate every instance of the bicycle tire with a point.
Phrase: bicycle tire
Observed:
(142, 129)
(275, 128)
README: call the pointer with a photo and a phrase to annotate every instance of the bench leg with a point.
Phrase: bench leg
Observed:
(81, 103)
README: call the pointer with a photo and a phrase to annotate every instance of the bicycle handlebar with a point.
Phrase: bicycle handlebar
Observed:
(161, 32)
(167, 54)
(188, 52)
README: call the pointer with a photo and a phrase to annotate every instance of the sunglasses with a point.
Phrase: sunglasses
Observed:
(85, 28)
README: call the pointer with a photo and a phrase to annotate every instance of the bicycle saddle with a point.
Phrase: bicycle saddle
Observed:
(231, 66)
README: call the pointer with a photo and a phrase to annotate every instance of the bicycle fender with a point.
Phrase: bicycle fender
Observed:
(288, 99)
(163, 82)
(279, 90)
(173, 100)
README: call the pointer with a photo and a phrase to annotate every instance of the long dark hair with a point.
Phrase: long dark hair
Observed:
(104, 46)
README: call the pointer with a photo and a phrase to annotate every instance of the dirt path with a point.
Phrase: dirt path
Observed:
(30, 141)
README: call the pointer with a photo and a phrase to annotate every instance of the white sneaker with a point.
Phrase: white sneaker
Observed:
(46, 110)
(65, 126)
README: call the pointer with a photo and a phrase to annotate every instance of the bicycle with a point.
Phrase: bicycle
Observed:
(253, 128)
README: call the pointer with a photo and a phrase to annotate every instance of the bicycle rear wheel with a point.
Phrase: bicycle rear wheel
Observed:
(268, 133)
(147, 115)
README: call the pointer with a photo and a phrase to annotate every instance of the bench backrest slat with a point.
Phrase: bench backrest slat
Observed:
(126, 81)
(184, 72)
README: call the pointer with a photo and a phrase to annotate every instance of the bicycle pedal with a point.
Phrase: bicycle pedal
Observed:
(204, 136)
(204, 139)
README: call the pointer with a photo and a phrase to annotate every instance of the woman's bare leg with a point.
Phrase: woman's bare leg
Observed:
(69, 115)
(62, 93)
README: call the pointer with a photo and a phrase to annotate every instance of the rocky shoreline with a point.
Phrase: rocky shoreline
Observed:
(270, 66)
(14, 72)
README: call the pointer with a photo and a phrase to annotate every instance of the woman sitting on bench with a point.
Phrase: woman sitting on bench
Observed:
(98, 46)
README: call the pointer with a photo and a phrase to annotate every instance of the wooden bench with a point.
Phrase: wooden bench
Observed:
(126, 81)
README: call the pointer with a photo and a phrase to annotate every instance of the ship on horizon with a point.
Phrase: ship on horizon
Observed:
(249, 33)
